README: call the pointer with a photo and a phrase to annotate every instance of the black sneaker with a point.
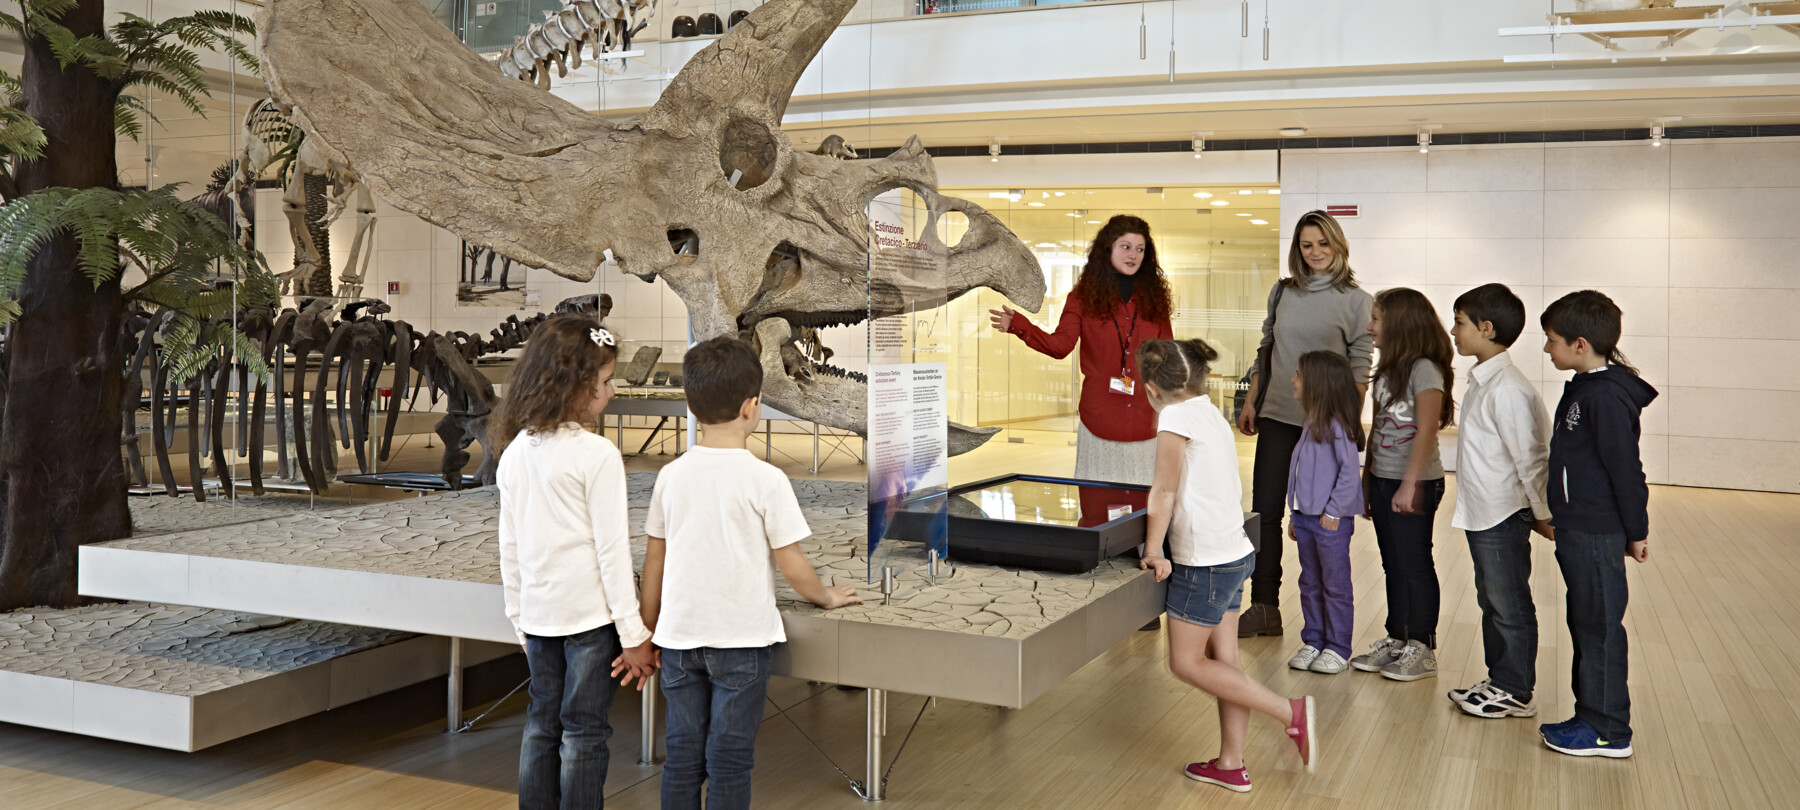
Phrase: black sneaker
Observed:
(1262, 619)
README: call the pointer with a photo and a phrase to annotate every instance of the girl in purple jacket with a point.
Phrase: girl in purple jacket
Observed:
(1324, 494)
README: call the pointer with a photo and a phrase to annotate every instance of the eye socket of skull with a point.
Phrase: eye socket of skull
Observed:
(749, 147)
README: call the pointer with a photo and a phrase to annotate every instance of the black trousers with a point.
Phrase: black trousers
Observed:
(1268, 496)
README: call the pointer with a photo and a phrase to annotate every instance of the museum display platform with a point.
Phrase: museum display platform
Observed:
(986, 634)
(187, 678)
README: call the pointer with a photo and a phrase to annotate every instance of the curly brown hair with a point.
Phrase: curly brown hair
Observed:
(1095, 289)
(555, 379)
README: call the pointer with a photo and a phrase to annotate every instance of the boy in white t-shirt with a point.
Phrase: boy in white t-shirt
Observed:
(716, 515)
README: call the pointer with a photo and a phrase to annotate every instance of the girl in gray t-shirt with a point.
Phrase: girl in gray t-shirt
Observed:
(1404, 477)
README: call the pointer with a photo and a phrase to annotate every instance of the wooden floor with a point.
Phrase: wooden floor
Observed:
(1715, 673)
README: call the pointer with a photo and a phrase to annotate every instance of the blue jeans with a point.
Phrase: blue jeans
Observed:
(1405, 544)
(1509, 631)
(563, 756)
(1593, 566)
(715, 698)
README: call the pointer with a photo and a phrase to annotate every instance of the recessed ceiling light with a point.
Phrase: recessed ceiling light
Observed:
(1243, 213)
(1203, 194)
(1093, 222)
(1220, 202)
(1035, 204)
(1243, 192)
(1293, 132)
(1259, 222)
(1275, 191)
(1072, 214)
(1059, 193)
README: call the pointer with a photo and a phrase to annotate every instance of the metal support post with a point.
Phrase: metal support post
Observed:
(815, 466)
(873, 789)
(454, 703)
(647, 742)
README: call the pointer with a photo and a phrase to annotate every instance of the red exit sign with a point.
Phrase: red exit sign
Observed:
(1342, 211)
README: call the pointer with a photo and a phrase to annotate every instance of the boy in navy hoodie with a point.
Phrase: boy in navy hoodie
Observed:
(1599, 506)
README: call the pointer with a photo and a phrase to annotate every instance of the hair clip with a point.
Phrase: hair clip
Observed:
(601, 337)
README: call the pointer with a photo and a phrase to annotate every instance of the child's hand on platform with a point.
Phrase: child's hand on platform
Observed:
(1638, 550)
(638, 662)
(838, 596)
(1158, 563)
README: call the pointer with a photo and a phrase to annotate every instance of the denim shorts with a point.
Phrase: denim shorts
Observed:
(1203, 594)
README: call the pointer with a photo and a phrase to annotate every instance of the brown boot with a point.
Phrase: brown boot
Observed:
(1262, 619)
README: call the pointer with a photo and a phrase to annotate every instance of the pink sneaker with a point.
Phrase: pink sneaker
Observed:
(1236, 781)
(1304, 731)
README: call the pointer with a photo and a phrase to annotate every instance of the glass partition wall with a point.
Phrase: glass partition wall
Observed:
(1219, 246)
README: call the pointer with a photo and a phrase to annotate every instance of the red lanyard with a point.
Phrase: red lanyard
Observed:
(1125, 338)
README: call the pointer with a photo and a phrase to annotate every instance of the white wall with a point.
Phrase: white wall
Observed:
(1694, 240)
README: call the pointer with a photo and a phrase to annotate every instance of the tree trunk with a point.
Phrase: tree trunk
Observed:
(60, 471)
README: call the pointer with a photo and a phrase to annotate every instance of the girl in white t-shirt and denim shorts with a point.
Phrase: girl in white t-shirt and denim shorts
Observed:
(1195, 506)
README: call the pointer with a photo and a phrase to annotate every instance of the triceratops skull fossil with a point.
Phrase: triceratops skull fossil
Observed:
(768, 240)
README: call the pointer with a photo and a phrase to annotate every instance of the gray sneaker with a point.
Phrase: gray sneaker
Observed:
(1304, 657)
(1329, 663)
(1415, 661)
(1380, 654)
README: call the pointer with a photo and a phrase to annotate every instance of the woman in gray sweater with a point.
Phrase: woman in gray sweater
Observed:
(1318, 307)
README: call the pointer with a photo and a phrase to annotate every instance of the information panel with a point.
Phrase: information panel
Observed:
(909, 475)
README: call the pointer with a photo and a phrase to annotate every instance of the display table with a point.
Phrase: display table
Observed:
(668, 404)
(987, 634)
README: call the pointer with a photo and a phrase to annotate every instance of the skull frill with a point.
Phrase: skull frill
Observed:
(784, 249)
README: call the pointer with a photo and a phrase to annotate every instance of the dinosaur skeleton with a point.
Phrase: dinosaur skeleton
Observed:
(361, 344)
(775, 240)
(604, 26)
(315, 184)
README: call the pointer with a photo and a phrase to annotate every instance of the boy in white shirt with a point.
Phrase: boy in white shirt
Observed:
(717, 516)
(1502, 466)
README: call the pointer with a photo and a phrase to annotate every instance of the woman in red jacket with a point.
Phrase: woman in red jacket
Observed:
(1120, 301)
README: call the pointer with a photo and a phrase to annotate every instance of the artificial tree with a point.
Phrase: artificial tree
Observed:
(68, 232)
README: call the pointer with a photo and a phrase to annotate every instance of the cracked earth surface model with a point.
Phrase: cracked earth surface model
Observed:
(703, 190)
(455, 536)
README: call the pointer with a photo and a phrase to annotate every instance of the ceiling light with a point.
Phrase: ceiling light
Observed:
(1093, 222)
(1656, 128)
(1060, 193)
(1293, 132)
(994, 150)
(1035, 204)
(1275, 191)
(1203, 194)
(1243, 213)
(1220, 202)
(1200, 143)
(1425, 137)
(1243, 192)
(999, 195)
(1259, 222)
(1045, 195)
(1014, 194)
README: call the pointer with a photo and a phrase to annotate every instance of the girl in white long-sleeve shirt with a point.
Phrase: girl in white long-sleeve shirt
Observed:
(565, 560)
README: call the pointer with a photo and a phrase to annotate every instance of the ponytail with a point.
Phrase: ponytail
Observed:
(1176, 366)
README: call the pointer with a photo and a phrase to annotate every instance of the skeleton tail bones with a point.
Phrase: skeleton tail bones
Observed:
(605, 26)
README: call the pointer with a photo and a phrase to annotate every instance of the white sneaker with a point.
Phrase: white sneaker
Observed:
(1457, 696)
(1330, 663)
(1492, 701)
(1304, 657)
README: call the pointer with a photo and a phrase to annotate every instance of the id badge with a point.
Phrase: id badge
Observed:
(1114, 511)
(1123, 386)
